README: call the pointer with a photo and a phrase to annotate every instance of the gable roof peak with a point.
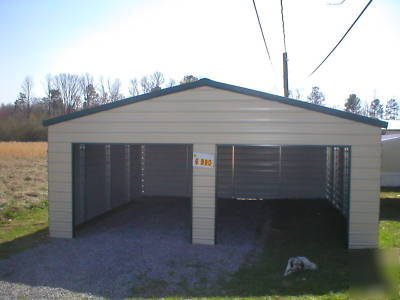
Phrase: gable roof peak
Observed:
(219, 85)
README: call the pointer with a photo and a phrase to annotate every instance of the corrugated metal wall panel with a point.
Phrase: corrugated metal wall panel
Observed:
(118, 176)
(271, 172)
(95, 181)
(167, 170)
(224, 175)
(303, 172)
(256, 172)
(105, 177)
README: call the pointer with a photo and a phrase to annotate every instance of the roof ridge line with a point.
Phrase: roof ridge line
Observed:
(219, 85)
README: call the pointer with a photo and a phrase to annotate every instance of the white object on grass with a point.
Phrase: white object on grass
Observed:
(299, 263)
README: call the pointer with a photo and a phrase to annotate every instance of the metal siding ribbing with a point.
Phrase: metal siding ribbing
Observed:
(271, 172)
(303, 172)
(256, 172)
(118, 176)
(105, 177)
(224, 188)
(167, 170)
(203, 201)
(95, 181)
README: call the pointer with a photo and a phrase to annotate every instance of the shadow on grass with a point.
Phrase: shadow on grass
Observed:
(8, 249)
(390, 209)
(310, 228)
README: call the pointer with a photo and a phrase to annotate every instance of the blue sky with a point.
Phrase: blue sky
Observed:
(215, 39)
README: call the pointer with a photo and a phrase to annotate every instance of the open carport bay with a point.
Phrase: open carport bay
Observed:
(251, 177)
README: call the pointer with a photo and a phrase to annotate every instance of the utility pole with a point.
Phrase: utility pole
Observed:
(285, 75)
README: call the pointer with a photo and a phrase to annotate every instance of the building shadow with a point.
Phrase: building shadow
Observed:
(390, 209)
(10, 248)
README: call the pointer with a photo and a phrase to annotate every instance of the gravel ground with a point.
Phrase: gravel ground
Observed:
(142, 250)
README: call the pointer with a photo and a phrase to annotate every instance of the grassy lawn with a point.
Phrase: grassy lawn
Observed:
(296, 229)
(26, 230)
(23, 196)
(389, 226)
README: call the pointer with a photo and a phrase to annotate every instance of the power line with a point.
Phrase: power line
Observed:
(283, 26)
(348, 30)
(262, 32)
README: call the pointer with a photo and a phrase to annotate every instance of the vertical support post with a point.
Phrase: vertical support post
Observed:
(364, 195)
(82, 183)
(328, 177)
(233, 173)
(285, 75)
(280, 194)
(346, 184)
(142, 166)
(127, 153)
(203, 201)
(108, 175)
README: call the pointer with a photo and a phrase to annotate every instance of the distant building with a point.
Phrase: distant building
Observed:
(393, 127)
(390, 169)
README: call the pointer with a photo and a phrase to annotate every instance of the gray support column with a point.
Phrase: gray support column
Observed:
(203, 202)
(127, 173)
(142, 171)
(82, 183)
(108, 176)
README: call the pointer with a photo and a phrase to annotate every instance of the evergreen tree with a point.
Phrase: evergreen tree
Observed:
(353, 104)
(316, 96)
(376, 109)
(188, 78)
(392, 110)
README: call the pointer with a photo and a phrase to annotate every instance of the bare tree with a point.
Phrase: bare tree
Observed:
(146, 85)
(296, 94)
(114, 88)
(133, 87)
(70, 90)
(26, 87)
(157, 79)
(48, 86)
(364, 110)
(103, 97)
(171, 83)
(90, 95)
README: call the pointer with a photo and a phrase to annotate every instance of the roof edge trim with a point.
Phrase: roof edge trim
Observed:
(223, 86)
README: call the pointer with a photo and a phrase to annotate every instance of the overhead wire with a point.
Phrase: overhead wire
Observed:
(262, 31)
(348, 30)
(283, 27)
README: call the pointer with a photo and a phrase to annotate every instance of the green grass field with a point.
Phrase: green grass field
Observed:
(23, 224)
(389, 225)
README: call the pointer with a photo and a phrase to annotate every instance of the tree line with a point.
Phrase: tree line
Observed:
(374, 109)
(65, 93)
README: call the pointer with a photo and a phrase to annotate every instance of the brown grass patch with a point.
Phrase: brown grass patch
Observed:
(26, 150)
(23, 177)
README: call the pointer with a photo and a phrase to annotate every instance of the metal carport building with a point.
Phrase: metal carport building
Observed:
(264, 146)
